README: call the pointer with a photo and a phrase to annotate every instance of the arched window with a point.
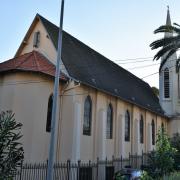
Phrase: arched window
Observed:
(87, 116)
(127, 126)
(166, 83)
(153, 132)
(109, 125)
(49, 114)
(162, 125)
(141, 128)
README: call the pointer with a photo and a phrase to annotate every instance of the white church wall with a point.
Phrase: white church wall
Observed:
(30, 102)
(110, 143)
(120, 131)
(27, 95)
(127, 144)
(87, 142)
(66, 131)
(148, 135)
(136, 134)
(101, 109)
(45, 47)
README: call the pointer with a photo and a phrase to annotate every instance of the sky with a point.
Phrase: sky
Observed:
(121, 30)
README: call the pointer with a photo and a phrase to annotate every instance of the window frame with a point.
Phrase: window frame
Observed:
(127, 126)
(49, 113)
(36, 39)
(109, 124)
(166, 83)
(87, 118)
(141, 129)
(153, 130)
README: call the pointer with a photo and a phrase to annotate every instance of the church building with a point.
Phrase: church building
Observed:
(169, 88)
(105, 110)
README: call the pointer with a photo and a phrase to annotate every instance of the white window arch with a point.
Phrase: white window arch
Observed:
(109, 125)
(141, 129)
(87, 116)
(127, 126)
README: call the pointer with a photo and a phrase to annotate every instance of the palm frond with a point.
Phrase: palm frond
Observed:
(164, 51)
(162, 42)
(169, 54)
(165, 28)
(176, 24)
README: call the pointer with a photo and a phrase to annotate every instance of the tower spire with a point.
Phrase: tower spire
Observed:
(168, 23)
(168, 20)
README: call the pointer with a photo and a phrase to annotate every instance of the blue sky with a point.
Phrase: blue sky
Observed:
(118, 29)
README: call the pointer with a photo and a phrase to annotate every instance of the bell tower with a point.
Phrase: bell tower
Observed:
(169, 94)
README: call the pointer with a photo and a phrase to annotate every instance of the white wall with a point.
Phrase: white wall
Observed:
(27, 95)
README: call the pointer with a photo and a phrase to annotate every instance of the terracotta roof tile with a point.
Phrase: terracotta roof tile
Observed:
(33, 62)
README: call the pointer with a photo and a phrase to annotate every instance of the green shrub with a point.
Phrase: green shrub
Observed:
(161, 161)
(174, 176)
(11, 151)
(145, 176)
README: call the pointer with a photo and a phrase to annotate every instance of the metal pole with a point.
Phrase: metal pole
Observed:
(54, 118)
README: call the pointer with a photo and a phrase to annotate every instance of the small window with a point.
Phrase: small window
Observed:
(141, 130)
(109, 125)
(153, 132)
(166, 83)
(36, 41)
(127, 126)
(49, 114)
(87, 116)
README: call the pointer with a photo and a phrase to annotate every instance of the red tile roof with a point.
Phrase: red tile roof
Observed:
(32, 62)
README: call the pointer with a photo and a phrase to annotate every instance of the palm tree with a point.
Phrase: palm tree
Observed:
(169, 44)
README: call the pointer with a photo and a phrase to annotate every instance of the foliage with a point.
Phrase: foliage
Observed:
(155, 90)
(169, 45)
(161, 161)
(11, 151)
(175, 143)
(173, 176)
(145, 176)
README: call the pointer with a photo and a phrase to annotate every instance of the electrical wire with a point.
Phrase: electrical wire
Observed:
(132, 59)
(156, 73)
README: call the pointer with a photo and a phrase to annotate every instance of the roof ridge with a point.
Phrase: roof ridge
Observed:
(42, 17)
(28, 55)
(35, 59)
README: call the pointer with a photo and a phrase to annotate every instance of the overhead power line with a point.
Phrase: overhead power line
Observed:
(132, 59)
(138, 67)
(155, 73)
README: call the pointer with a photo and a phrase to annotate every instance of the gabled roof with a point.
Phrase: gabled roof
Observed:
(91, 68)
(30, 62)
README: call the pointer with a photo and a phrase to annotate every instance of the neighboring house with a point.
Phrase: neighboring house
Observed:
(105, 110)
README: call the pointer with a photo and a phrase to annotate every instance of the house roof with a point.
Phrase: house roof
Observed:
(30, 62)
(93, 69)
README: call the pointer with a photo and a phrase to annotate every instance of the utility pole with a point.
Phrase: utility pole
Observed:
(56, 105)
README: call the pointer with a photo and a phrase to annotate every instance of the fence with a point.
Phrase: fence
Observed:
(99, 170)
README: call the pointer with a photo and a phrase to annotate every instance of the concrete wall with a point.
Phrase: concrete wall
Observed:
(97, 145)
(27, 95)
(45, 47)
